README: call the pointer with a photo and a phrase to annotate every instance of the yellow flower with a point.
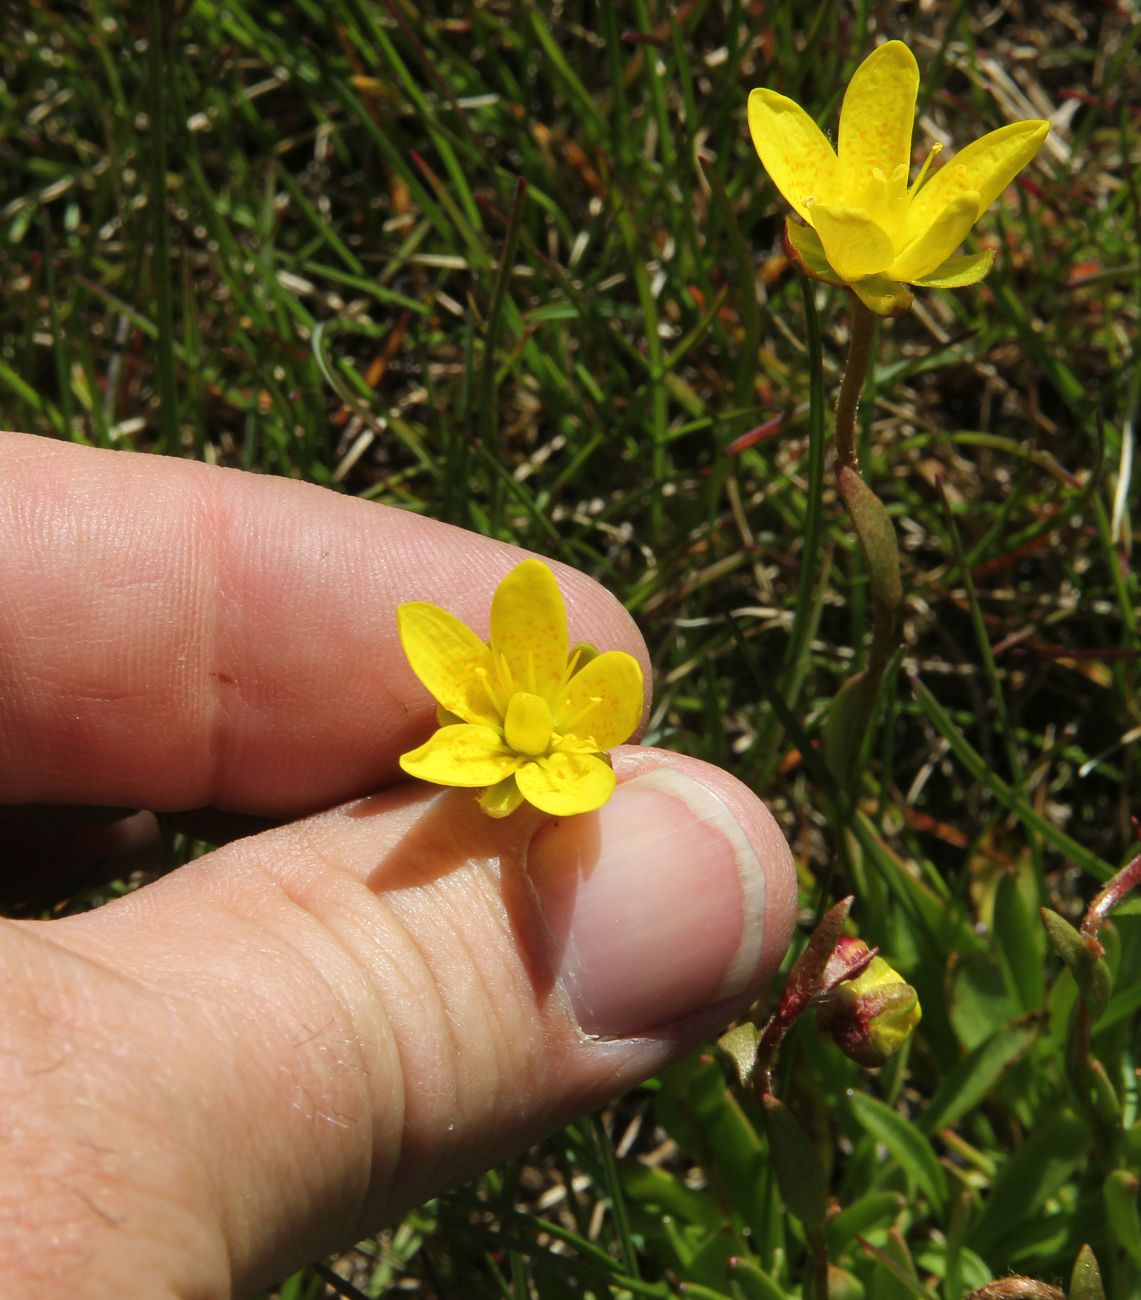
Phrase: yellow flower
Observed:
(866, 227)
(522, 717)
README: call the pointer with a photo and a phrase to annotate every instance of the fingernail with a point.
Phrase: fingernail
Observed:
(652, 907)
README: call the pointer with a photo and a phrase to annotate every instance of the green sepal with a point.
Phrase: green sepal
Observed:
(958, 271)
(803, 248)
(585, 652)
(501, 799)
(883, 296)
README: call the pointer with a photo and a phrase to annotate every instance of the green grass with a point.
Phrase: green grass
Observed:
(294, 239)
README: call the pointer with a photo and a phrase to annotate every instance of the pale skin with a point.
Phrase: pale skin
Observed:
(265, 1055)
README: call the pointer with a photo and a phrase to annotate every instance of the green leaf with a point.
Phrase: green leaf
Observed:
(947, 923)
(878, 1209)
(1123, 1212)
(1021, 944)
(750, 1282)
(908, 1146)
(1083, 959)
(980, 1000)
(896, 1278)
(653, 1185)
(1035, 1171)
(1010, 799)
(972, 1080)
(877, 538)
(1085, 1280)
(845, 728)
(740, 1045)
(972, 1271)
(702, 1115)
(797, 1166)
(710, 1263)
(843, 1285)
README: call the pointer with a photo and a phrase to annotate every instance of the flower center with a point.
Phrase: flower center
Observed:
(527, 725)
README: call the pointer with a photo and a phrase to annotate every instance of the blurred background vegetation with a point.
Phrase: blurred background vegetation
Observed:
(515, 265)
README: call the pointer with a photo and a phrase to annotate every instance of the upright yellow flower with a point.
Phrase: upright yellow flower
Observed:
(522, 717)
(866, 227)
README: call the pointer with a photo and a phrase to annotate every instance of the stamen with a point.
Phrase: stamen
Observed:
(572, 664)
(498, 703)
(505, 678)
(935, 150)
(567, 725)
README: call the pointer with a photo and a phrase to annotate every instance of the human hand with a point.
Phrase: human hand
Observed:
(265, 1054)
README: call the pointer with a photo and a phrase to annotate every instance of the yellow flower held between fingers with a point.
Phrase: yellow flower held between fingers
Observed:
(523, 717)
(866, 227)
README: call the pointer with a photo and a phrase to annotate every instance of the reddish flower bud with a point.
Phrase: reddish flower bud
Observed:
(872, 1015)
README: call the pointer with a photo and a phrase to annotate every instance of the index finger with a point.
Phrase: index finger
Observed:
(173, 635)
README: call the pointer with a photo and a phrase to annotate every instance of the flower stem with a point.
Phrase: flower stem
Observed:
(863, 331)
(885, 620)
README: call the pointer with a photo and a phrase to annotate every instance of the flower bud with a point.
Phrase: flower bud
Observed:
(872, 1015)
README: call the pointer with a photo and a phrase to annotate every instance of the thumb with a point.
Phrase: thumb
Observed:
(313, 1029)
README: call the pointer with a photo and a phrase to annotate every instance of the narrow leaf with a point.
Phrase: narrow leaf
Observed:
(972, 1080)
(1029, 1178)
(1083, 958)
(1123, 1211)
(908, 1146)
(877, 538)
(1085, 1280)
(751, 1282)
(797, 1165)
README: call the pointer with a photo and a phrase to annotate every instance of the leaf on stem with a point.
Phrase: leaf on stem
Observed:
(876, 535)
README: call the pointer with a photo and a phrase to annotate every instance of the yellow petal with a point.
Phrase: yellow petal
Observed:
(935, 244)
(502, 799)
(793, 150)
(877, 116)
(604, 701)
(854, 245)
(565, 784)
(802, 246)
(529, 628)
(448, 658)
(464, 755)
(883, 296)
(986, 166)
(956, 272)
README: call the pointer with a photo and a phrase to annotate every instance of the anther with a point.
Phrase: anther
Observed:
(935, 150)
